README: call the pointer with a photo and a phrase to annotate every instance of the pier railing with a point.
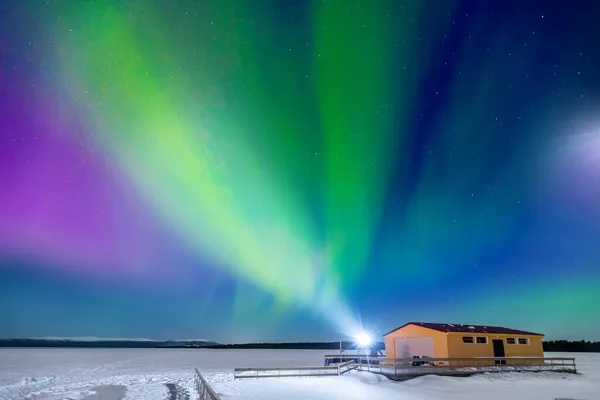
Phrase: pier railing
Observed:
(204, 390)
(456, 366)
(288, 372)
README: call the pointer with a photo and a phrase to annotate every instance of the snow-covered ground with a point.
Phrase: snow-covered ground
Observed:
(53, 374)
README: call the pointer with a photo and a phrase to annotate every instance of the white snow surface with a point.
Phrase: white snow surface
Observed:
(66, 373)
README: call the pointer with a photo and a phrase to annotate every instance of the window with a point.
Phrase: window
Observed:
(468, 339)
(482, 339)
(511, 340)
(523, 340)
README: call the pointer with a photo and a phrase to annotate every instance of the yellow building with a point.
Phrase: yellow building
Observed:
(460, 341)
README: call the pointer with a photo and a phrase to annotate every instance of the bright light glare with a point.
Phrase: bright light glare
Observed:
(363, 339)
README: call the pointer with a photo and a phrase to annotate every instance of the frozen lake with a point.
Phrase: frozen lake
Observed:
(52, 374)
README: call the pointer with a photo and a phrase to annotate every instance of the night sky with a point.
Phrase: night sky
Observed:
(270, 170)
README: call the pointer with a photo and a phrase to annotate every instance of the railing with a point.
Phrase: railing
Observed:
(347, 367)
(288, 372)
(336, 359)
(204, 389)
(458, 366)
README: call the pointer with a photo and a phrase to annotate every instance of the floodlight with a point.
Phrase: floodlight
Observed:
(363, 339)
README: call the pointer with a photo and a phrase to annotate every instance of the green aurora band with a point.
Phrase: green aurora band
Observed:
(206, 180)
(355, 89)
(277, 165)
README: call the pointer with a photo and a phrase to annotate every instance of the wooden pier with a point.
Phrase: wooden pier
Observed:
(294, 372)
(205, 391)
(407, 368)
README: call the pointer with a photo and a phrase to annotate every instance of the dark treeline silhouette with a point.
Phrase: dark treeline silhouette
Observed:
(298, 346)
(129, 344)
(549, 346)
(177, 344)
(580, 346)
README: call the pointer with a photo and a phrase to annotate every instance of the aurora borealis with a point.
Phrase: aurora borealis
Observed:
(279, 170)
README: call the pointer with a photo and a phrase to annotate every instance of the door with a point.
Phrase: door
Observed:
(499, 350)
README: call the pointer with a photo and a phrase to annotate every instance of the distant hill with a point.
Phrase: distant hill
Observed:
(94, 339)
(87, 342)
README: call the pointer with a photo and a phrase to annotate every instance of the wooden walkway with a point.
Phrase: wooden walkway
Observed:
(289, 372)
(205, 391)
(407, 368)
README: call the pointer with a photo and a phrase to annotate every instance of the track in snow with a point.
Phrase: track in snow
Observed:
(177, 392)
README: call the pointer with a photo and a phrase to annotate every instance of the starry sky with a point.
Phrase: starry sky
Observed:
(274, 170)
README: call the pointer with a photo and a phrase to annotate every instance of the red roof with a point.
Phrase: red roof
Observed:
(464, 328)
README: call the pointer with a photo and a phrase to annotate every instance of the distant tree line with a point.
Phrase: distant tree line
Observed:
(550, 346)
(580, 346)
(128, 344)
(297, 346)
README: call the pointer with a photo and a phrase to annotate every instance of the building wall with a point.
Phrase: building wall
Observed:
(450, 345)
(458, 349)
(440, 346)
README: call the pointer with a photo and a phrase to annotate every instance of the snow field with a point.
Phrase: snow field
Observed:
(59, 374)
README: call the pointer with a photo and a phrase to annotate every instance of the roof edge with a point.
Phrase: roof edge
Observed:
(395, 329)
(493, 333)
(460, 332)
(412, 323)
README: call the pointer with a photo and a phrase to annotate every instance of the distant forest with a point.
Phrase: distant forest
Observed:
(550, 346)
(580, 346)
(118, 344)
(296, 346)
